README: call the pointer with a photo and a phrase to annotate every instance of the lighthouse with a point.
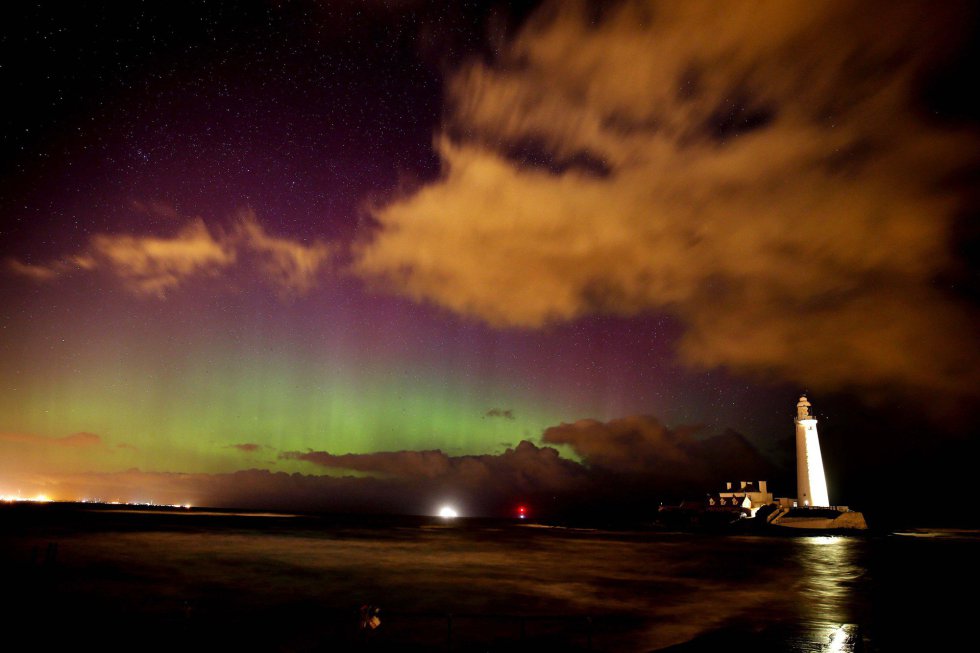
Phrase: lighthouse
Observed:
(811, 484)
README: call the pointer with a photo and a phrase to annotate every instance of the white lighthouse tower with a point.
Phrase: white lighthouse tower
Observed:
(811, 484)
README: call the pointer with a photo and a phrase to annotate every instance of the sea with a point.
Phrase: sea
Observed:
(133, 579)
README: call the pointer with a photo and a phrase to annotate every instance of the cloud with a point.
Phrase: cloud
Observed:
(427, 464)
(33, 271)
(624, 464)
(669, 459)
(73, 441)
(248, 447)
(500, 412)
(624, 468)
(291, 265)
(147, 265)
(524, 468)
(153, 266)
(760, 171)
(633, 445)
(81, 439)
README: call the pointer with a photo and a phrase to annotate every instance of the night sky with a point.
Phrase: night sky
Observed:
(383, 255)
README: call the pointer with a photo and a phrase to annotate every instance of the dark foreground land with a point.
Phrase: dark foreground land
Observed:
(118, 579)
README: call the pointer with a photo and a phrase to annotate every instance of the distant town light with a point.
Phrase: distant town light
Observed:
(448, 512)
(43, 498)
(13, 498)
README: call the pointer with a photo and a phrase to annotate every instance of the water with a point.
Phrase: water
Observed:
(149, 580)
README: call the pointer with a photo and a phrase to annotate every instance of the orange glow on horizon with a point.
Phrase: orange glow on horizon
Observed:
(13, 498)
(43, 498)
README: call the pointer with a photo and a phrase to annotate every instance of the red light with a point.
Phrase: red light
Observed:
(521, 512)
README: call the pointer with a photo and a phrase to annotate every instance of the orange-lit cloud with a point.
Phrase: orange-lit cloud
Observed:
(155, 265)
(147, 265)
(760, 171)
(35, 272)
(293, 266)
(152, 266)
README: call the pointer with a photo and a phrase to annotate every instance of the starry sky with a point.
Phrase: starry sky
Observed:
(377, 255)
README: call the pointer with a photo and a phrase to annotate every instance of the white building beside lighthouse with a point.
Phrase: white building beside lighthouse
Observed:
(811, 484)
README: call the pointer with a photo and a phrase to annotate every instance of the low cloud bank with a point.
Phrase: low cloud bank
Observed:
(625, 464)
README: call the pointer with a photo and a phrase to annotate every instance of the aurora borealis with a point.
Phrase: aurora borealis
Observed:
(241, 240)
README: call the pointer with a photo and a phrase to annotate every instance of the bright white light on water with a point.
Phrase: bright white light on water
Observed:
(448, 512)
(838, 639)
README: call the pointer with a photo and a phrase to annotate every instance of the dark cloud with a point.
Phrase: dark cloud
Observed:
(525, 468)
(606, 483)
(619, 468)
(427, 464)
(500, 412)
(764, 172)
(666, 459)
(476, 484)
(625, 462)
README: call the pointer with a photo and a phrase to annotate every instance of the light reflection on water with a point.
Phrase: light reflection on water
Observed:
(668, 588)
(832, 569)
